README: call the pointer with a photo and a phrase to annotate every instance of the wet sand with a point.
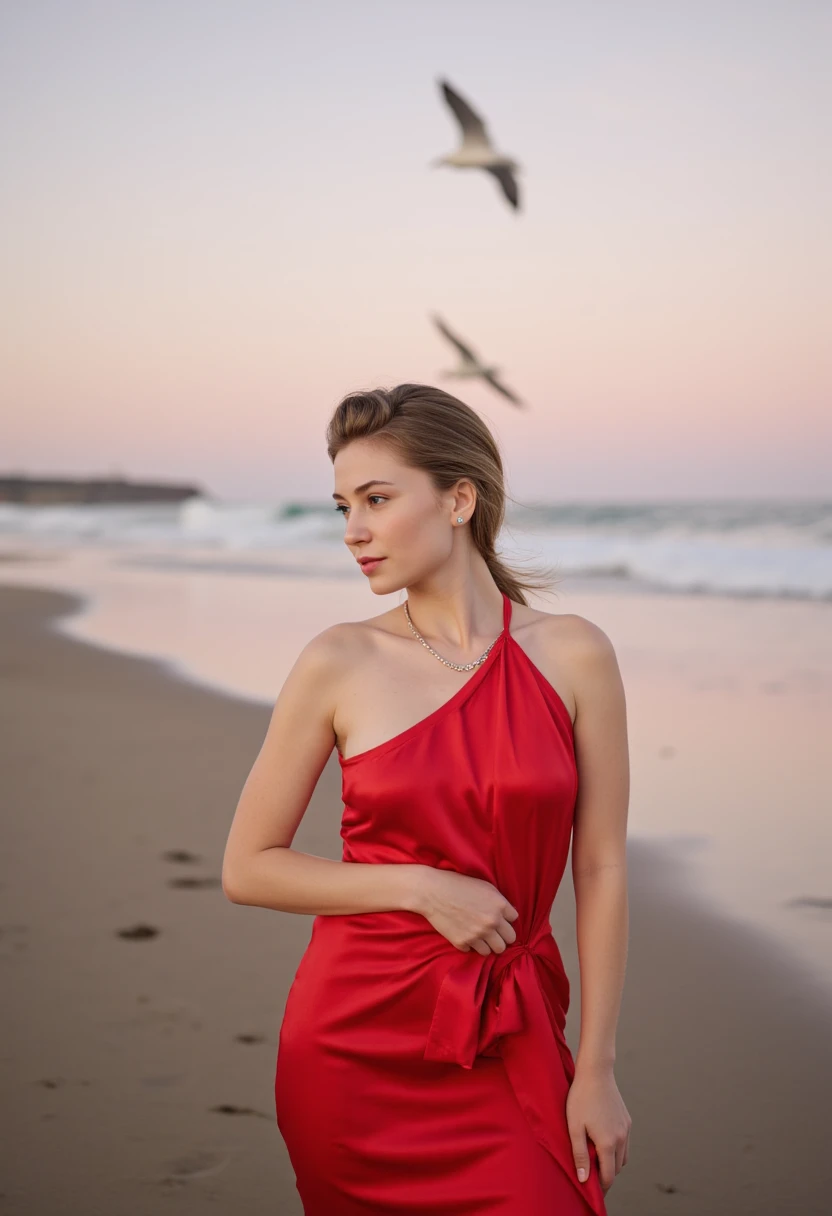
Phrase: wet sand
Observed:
(142, 1008)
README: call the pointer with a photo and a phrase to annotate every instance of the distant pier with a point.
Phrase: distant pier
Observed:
(64, 491)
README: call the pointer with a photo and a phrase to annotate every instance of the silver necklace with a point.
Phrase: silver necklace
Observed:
(447, 662)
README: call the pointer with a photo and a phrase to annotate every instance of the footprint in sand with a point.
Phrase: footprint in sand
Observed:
(194, 884)
(199, 1164)
(138, 933)
(58, 1082)
(180, 856)
(228, 1108)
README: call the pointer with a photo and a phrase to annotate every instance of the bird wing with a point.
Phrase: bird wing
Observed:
(473, 127)
(508, 182)
(464, 350)
(501, 388)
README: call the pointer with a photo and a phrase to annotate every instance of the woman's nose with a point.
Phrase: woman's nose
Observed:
(355, 531)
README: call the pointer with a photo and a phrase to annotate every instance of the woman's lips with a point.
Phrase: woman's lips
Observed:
(369, 567)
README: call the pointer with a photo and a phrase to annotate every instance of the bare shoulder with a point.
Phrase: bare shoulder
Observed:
(336, 649)
(322, 670)
(587, 641)
(591, 663)
(575, 654)
(582, 644)
(565, 631)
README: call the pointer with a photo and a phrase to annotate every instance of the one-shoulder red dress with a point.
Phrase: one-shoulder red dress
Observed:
(413, 1077)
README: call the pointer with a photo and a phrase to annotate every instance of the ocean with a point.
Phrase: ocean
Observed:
(720, 615)
(737, 548)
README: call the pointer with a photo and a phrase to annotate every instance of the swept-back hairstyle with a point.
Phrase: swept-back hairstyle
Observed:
(429, 429)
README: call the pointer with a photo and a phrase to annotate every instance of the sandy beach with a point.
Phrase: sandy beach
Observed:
(277, 299)
(142, 1010)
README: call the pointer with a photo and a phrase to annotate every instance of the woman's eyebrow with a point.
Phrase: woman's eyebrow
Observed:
(360, 489)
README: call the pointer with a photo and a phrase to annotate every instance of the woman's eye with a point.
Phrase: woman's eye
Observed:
(342, 507)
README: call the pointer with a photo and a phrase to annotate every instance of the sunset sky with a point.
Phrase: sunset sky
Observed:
(219, 217)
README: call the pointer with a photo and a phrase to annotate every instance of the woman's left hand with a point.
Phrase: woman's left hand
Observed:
(595, 1109)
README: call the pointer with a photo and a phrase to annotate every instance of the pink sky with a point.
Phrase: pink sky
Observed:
(218, 219)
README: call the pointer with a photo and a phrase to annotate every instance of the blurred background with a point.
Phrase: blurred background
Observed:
(218, 219)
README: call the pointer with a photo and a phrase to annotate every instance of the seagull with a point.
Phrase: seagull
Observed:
(476, 150)
(471, 365)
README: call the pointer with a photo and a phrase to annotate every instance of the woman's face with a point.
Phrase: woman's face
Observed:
(393, 513)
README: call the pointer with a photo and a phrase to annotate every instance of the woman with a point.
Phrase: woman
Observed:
(422, 1066)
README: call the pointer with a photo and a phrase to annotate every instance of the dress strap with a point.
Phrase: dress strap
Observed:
(506, 612)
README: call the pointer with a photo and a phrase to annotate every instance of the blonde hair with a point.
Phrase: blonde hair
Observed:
(431, 430)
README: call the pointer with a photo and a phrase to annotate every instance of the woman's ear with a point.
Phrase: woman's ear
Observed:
(465, 499)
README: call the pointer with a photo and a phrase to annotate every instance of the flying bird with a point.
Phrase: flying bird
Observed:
(476, 150)
(471, 365)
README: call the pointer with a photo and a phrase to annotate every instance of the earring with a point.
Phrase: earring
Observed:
(460, 520)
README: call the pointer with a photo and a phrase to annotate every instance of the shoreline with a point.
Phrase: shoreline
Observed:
(123, 1059)
(727, 702)
(20, 549)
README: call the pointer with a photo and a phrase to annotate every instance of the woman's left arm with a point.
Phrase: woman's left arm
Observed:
(595, 1107)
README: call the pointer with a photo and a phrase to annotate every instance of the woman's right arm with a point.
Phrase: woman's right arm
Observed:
(259, 866)
(262, 869)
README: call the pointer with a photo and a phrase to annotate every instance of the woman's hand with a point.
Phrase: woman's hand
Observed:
(595, 1108)
(469, 912)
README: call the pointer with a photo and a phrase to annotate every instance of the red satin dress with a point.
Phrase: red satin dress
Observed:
(413, 1077)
